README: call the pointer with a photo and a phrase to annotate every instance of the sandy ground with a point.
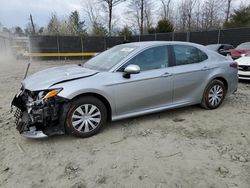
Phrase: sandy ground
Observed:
(182, 148)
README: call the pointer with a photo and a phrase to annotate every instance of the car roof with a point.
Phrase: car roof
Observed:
(245, 43)
(214, 44)
(145, 44)
(219, 44)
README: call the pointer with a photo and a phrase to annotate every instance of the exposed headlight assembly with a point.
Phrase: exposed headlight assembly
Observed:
(52, 93)
(47, 94)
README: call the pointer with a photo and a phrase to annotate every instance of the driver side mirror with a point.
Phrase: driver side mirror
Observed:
(131, 69)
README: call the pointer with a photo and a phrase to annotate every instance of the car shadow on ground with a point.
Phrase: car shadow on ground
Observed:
(171, 114)
(166, 114)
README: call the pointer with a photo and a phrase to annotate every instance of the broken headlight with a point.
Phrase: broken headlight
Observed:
(40, 97)
(47, 94)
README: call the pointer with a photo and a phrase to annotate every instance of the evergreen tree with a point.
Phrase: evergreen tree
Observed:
(164, 26)
(240, 18)
(98, 30)
(76, 26)
(125, 32)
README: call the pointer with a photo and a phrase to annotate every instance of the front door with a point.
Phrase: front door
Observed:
(151, 88)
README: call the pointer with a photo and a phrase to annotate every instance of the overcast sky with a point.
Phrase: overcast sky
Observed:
(16, 12)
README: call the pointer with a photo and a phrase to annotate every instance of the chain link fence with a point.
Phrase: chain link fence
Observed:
(79, 44)
(5, 45)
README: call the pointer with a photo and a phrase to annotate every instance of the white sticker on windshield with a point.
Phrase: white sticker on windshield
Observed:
(127, 49)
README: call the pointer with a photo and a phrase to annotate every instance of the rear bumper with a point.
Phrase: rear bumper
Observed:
(232, 81)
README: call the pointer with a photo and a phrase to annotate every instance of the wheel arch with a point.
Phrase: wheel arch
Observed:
(223, 80)
(216, 77)
(204, 97)
(101, 98)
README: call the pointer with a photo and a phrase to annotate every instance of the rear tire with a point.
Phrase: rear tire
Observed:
(214, 95)
(86, 116)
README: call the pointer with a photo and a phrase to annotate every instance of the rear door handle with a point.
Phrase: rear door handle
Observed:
(167, 74)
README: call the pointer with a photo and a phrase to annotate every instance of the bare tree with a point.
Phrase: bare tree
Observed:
(190, 7)
(212, 14)
(148, 12)
(92, 11)
(228, 9)
(137, 9)
(197, 16)
(185, 10)
(165, 7)
(109, 5)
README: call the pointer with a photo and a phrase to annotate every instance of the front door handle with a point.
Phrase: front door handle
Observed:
(167, 74)
(205, 68)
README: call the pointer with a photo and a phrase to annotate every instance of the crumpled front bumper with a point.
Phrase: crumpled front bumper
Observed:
(41, 121)
(34, 134)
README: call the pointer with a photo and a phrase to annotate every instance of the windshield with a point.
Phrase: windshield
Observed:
(213, 47)
(244, 46)
(107, 59)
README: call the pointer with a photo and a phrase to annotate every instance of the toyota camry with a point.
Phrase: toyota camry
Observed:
(125, 81)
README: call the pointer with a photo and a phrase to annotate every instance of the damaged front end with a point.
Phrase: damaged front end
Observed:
(40, 113)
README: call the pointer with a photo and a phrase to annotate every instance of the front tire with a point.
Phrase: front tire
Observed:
(86, 116)
(214, 95)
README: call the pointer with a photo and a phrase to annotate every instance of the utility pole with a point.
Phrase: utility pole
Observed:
(142, 16)
(229, 4)
(32, 24)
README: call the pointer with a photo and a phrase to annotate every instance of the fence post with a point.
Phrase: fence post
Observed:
(58, 50)
(188, 36)
(218, 39)
(5, 46)
(155, 36)
(173, 36)
(82, 48)
(104, 44)
(1, 48)
(30, 50)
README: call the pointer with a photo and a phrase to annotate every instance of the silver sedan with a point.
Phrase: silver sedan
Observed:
(125, 81)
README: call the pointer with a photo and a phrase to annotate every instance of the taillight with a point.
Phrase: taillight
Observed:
(234, 65)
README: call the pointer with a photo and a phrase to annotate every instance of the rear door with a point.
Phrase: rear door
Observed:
(191, 71)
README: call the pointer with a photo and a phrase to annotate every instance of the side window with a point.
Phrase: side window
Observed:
(153, 58)
(228, 47)
(188, 55)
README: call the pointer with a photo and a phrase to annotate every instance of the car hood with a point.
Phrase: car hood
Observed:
(243, 61)
(52, 76)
